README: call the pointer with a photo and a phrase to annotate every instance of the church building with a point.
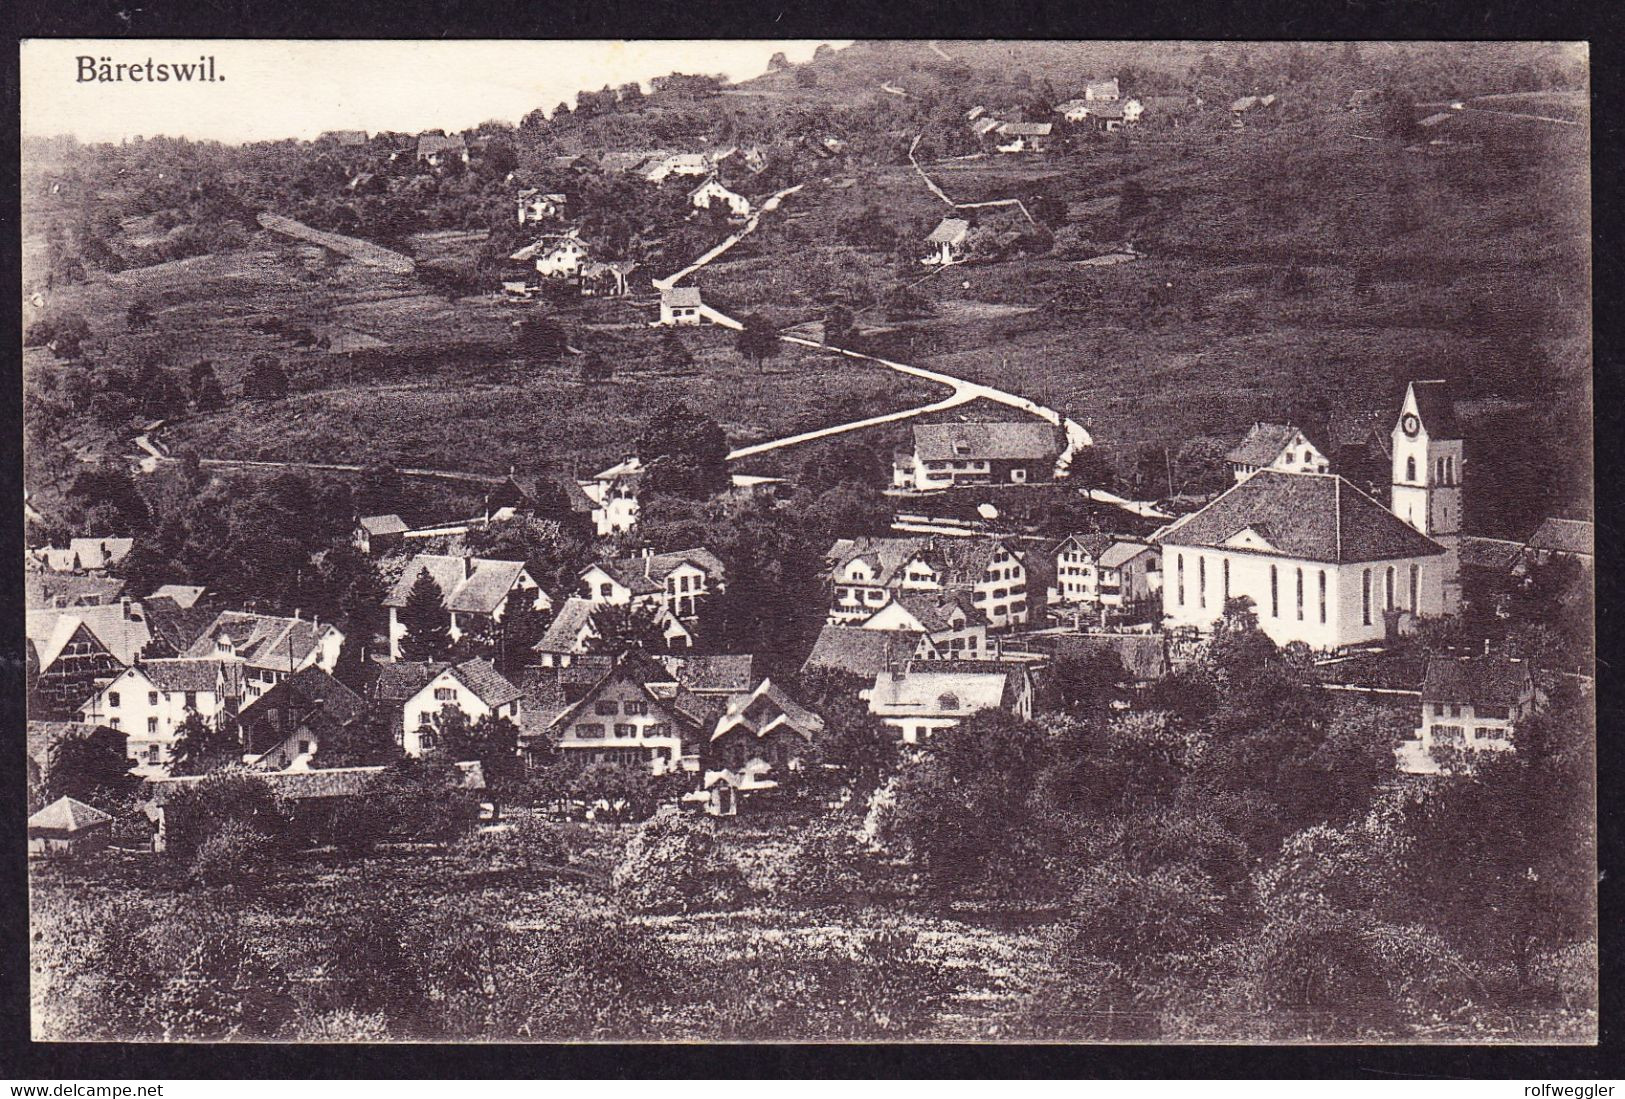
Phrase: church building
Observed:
(1322, 562)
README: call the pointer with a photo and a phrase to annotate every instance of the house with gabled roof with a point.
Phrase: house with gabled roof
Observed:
(659, 170)
(930, 696)
(950, 618)
(1077, 577)
(380, 533)
(712, 675)
(854, 650)
(1128, 575)
(66, 828)
(476, 592)
(764, 725)
(864, 572)
(1563, 539)
(1101, 90)
(713, 191)
(268, 648)
(638, 714)
(1275, 446)
(474, 687)
(150, 702)
(86, 554)
(679, 581)
(74, 651)
(1024, 137)
(536, 205)
(43, 589)
(1469, 704)
(681, 306)
(1322, 562)
(1017, 452)
(557, 255)
(295, 719)
(438, 149)
(570, 634)
(946, 243)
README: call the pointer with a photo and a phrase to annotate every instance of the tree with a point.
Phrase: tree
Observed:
(758, 340)
(674, 354)
(265, 379)
(93, 768)
(862, 746)
(492, 740)
(428, 627)
(838, 325)
(685, 453)
(1047, 210)
(139, 316)
(617, 628)
(202, 746)
(1086, 682)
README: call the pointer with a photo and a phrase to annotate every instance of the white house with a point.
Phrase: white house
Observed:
(1128, 574)
(571, 633)
(1470, 704)
(678, 581)
(1025, 137)
(614, 493)
(951, 619)
(925, 698)
(475, 687)
(865, 572)
(475, 592)
(1322, 562)
(268, 648)
(149, 703)
(1077, 579)
(680, 305)
(1275, 446)
(555, 257)
(712, 191)
(638, 713)
(946, 455)
(1101, 90)
(537, 206)
(946, 243)
(679, 164)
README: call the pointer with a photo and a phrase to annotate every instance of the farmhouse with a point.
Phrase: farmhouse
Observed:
(1101, 90)
(1025, 137)
(559, 256)
(1469, 704)
(56, 589)
(474, 687)
(713, 675)
(438, 149)
(639, 714)
(1562, 539)
(150, 702)
(571, 633)
(298, 717)
(378, 532)
(269, 648)
(949, 455)
(1322, 562)
(678, 581)
(712, 191)
(946, 243)
(1275, 446)
(74, 651)
(926, 698)
(67, 827)
(680, 305)
(951, 619)
(680, 164)
(1129, 574)
(475, 592)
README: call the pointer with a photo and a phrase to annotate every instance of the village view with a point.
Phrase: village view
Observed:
(937, 541)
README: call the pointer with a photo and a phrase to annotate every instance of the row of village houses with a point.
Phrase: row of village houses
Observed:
(938, 626)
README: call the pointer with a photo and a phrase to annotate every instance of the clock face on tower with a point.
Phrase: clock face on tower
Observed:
(1409, 424)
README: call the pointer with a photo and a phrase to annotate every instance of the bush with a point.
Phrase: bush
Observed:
(234, 854)
(675, 863)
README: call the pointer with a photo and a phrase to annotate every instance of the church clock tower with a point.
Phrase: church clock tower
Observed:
(1428, 472)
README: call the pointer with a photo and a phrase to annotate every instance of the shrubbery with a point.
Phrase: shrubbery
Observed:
(675, 863)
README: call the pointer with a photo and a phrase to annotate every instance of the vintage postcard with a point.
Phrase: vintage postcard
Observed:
(806, 541)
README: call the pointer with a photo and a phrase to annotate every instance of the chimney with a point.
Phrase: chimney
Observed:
(124, 606)
(468, 565)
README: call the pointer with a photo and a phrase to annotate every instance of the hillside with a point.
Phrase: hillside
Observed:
(1317, 256)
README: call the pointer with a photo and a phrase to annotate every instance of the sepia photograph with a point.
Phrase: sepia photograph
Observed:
(809, 541)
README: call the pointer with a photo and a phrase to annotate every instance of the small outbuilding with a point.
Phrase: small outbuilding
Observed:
(67, 827)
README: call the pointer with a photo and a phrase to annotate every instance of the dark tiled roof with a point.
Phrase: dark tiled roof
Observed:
(859, 651)
(182, 674)
(885, 556)
(564, 632)
(178, 627)
(1021, 440)
(303, 785)
(1094, 544)
(481, 591)
(309, 697)
(382, 524)
(1310, 516)
(648, 573)
(757, 712)
(489, 685)
(1492, 680)
(714, 672)
(400, 680)
(1564, 536)
(48, 589)
(263, 641)
(1262, 445)
(1488, 553)
(949, 231)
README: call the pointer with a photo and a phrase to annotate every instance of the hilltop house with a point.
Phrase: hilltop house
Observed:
(678, 581)
(1024, 137)
(637, 713)
(1469, 704)
(865, 572)
(295, 719)
(378, 532)
(680, 305)
(475, 592)
(614, 493)
(949, 455)
(712, 191)
(475, 687)
(535, 205)
(680, 164)
(1275, 446)
(1096, 91)
(86, 554)
(437, 149)
(926, 698)
(607, 280)
(150, 702)
(1322, 562)
(268, 648)
(946, 243)
(557, 256)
